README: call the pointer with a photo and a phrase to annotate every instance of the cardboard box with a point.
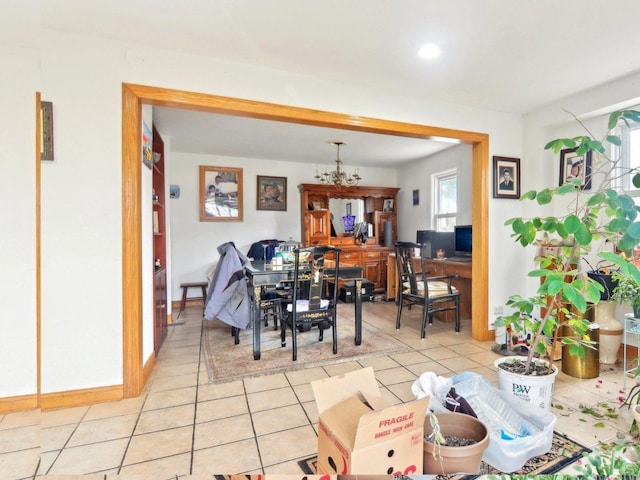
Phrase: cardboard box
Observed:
(361, 433)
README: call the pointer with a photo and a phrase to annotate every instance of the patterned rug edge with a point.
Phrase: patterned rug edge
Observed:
(308, 465)
(206, 345)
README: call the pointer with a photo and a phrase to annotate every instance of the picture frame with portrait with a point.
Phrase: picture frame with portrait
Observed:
(573, 165)
(506, 177)
(271, 193)
(220, 194)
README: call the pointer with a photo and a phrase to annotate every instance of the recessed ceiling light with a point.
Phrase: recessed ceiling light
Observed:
(429, 51)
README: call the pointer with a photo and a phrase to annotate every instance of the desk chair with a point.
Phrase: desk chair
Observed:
(309, 305)
(435, 294)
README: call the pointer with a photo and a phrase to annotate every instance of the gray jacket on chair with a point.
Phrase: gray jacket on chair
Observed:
(228, 298)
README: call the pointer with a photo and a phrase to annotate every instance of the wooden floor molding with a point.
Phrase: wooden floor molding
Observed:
(149, 365)
(18, 403)
(75, 398)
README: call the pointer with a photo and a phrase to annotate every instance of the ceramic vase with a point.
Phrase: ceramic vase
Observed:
(636, 414)
(611, 331)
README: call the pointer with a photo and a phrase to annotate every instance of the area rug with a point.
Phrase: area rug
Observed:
(227, 362)
(563, 452)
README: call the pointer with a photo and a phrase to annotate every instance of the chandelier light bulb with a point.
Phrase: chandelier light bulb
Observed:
(338, 177)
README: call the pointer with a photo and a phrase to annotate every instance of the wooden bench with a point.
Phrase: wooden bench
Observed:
(185, 288)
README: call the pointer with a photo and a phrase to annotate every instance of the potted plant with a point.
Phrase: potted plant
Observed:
(627, 290)
(602, 214)
(604, 275)
(617, 461)
(453, 443)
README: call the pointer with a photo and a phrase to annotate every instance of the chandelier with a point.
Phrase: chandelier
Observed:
(338, 177)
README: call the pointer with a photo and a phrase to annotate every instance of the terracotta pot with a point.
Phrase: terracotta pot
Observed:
(450, 459)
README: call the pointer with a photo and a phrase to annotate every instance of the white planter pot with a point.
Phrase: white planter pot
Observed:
(636, 414)
(534, 389)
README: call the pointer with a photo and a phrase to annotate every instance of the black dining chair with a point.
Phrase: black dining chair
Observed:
(310, 305)
(434, 293)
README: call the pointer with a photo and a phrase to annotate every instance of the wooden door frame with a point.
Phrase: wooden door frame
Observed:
(134, 96)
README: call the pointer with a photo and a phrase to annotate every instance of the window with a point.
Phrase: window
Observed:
(629, 154)
(445, 200)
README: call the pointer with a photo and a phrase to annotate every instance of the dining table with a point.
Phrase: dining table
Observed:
(261, 275)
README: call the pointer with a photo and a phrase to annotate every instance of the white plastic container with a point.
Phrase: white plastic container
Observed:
(537, 390)
(518, 430)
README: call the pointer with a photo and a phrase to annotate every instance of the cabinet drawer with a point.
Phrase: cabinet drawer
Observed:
(342, 241)
(350, 258)
(370, 256)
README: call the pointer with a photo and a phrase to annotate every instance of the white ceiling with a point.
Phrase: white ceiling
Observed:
(504, 55)
(225, 135)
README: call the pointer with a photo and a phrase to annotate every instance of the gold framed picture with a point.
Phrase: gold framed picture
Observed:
(220, 194)
(271, 193)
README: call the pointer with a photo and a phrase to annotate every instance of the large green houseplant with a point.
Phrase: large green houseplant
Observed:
(593, 217)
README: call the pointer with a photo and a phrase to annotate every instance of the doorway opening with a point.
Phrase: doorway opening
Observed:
(134, 96)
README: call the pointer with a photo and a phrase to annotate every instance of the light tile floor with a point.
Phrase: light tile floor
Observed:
(181, 426)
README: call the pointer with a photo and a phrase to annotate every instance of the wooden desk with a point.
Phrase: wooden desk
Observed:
(438, 267)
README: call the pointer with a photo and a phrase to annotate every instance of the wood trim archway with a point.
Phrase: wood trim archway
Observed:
(134, 96)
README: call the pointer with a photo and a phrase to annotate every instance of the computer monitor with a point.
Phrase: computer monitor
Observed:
(462, 239)
(437, 241)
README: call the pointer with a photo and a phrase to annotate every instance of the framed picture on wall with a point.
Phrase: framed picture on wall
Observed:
(416, 197)
(220, 194)
(271, 193)
(506, 177)
(573, 165)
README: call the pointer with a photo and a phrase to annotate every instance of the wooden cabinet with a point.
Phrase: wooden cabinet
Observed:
(316, 226)
(379, 220)
(370, 261)
(160, 308)
(159, 242)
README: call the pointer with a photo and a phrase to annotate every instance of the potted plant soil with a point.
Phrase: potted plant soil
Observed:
(593, 217)
(453, 443)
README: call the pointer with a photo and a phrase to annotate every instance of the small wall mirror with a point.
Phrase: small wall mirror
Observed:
(340, 207)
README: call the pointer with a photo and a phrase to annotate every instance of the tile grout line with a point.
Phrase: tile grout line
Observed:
(195, 407)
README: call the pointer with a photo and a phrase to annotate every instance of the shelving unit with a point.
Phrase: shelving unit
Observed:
(159, 244)
(316, 226)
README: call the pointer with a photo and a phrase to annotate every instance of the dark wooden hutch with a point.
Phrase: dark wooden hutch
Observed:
(316, 226)
(159, 244)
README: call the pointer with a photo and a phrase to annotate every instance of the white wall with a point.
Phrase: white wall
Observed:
(19, 81)
(194, 243)
(417, 175)
(81, 191)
